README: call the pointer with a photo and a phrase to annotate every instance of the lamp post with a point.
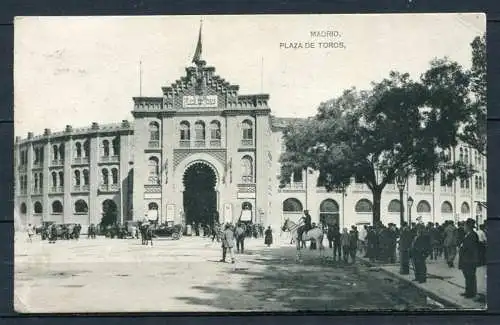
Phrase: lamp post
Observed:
(410, 203)
(401, 182)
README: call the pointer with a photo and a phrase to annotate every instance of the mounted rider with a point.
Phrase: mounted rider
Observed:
(307, 224)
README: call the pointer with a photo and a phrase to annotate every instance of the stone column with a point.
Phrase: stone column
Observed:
(46, 180)
(123, 175)
(169, 190)
(94, 179)
(68, 179)
(140, 166)
(262, 147)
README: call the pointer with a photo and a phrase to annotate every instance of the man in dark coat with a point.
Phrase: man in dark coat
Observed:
(239, 234)
(468, 258)
(337, 250)
(405, 241)
(421, 248)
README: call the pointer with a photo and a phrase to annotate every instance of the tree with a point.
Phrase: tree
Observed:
(397, 125)
(474, 130)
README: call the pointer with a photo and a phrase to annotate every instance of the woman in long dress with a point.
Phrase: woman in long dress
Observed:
(268, 240)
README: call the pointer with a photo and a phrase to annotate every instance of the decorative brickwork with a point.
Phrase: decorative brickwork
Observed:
(179, 155)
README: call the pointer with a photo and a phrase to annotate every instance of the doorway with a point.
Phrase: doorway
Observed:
(199, 197)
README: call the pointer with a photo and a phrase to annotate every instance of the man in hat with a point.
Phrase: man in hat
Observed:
(468, 258)
(307, 224)
(421, 248)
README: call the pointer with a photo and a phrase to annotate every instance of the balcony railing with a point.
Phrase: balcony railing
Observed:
(37, 190)
(391, 187)
(424, 188)
(215, 143)
(81, 160)
(81, 188)
(294, 186)
(360, 187)
(446, 189)
(23, 191)
(110, 158)
(58, 162)
(246, 188)
(38, 164)
(247, 142)
(465, 191)
(199, 143)
(154, 144)
(86, 188)
(185, 143)
(57, 189)
(109, 187)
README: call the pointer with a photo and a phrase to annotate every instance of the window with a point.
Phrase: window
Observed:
(480, 183)
(85, 177)
(81, 206)
(297, 175)
(40, 179)
(364, 206)
(54, 179)
(116, 146)
(185, 132)
(37, 208)
(114, 175)
(152, 206)
(77, 177)
(461, 155)
(466, 155)
(476, 182)
(423, 207)
(105, 176)
(199, 131)
(215, 130)
(247, 169)
(446, 207)
(55, 152)
(23, 208)
(36, 180)
(78, 146)
(292, 205)
(105, 148)
(86, 148)
(154, 131)
(467, 183)
(61, 151)
(57, 207)
(61, 179)
(423, 180)
(329, 212)
(153, 166)
(247, 130)
(445, 180)
(394, 206)
(465, 208)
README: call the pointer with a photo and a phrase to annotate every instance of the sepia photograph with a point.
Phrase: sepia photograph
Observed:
(250, 163)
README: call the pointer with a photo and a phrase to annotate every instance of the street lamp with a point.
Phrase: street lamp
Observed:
(410, 203)
(401, 182)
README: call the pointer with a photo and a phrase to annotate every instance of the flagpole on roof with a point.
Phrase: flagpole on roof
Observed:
(198, 50)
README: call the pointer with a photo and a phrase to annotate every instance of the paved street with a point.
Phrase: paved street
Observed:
(111, 275)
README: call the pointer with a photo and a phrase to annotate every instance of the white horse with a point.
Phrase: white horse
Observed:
(315, 234)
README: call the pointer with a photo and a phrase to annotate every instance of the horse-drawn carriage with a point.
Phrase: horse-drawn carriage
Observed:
(150, 229)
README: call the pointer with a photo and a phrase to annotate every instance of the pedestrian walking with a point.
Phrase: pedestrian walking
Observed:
(268, 236)
(345, 242)
(421, 248)
(468, 258)
(450, 243)
(31, 233)
(239, 233)
(405, 242)
(353, 243)
(482, 245)
(362, 239)
(227, 243)
(337, 245)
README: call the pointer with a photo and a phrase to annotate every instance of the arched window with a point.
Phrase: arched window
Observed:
(85, 177)
(329, 212)
(246, 206)
(57, 207)
(36, 180)
(465, 208)
(55, 152)
(77, 177)
(23, 208)
(247, 129)
(466, 155)
(154, 131)
(81, 206)
(116, 146)
(247, 169)
(37, 208)
(423, 207)
(105, 176)
(152, 206)
(54, 179)
(61, 179)
(154, 170)
(185, 131)
(481, 182)
(199, 131)
(292, 205)
(215, 130)
(40, 180)
(86, 148)
(105, 148)
(364, 206)
(78, 147)
(476, 182)
(61, 151)
(446, 207)
(114, 175)
(461, 155)
(394, 206)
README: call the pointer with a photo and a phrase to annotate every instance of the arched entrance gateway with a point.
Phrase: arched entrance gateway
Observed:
(199, 197)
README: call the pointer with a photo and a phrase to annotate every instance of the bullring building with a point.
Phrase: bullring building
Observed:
(199, 151)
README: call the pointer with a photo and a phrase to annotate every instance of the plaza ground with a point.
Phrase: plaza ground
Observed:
(112, 275)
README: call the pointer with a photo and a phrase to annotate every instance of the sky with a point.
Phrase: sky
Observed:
(79, 70)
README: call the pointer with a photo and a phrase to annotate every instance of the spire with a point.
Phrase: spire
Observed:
(197, 52)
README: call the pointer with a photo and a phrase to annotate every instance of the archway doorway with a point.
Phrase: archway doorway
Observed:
(109, 213)
(200, 197)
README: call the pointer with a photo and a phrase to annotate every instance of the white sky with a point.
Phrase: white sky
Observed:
(76, 70)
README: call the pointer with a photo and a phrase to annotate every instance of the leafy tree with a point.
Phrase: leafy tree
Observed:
(399, 125)
(474, 131)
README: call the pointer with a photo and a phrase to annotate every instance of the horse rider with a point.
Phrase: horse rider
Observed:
(307, 224)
